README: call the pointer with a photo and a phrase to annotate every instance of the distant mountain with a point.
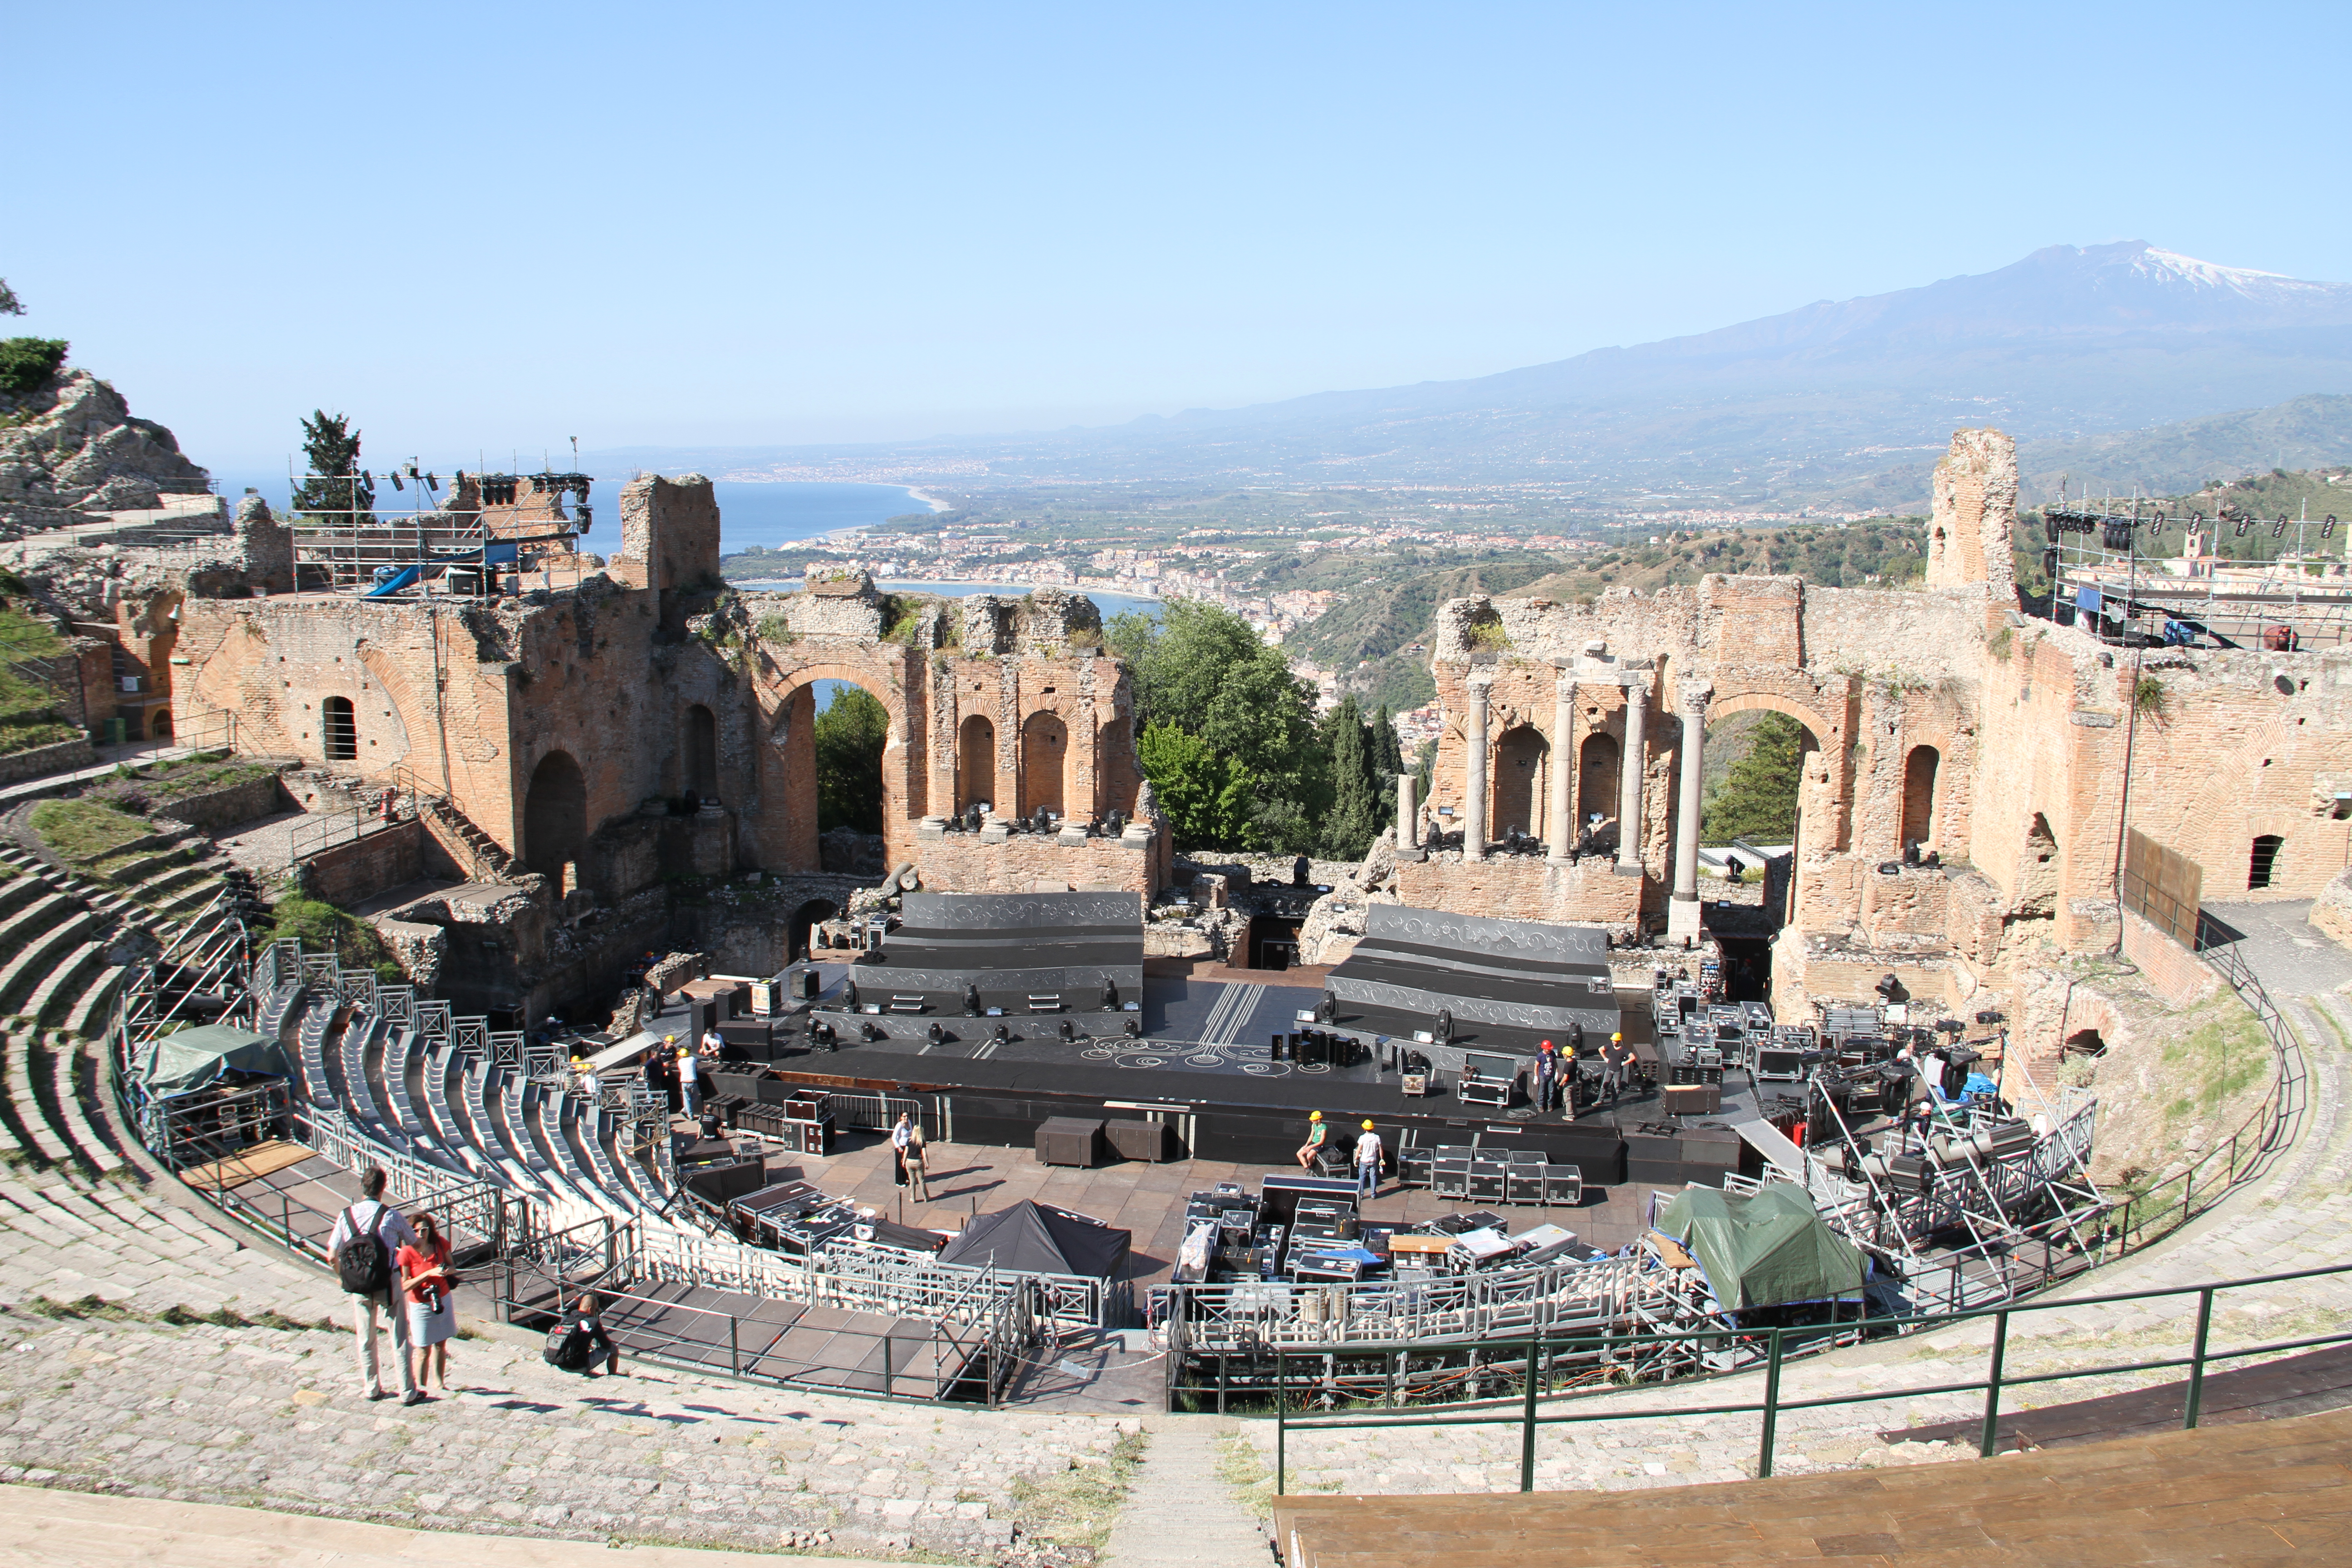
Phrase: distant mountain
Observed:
(2312, 432)
(1843, 403)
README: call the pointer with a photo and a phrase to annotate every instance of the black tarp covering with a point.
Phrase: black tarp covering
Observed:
(1032, 1238)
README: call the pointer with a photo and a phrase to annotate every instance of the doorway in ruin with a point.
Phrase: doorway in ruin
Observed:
(701, 753)
(338, 730)
(554, 815)
(1919, 797)
(1522, 782)
(2262, 867)
(1272, 942)
(976, 763)
(851, 731)
(1045, 754)
(1596, 780)
(802, 920)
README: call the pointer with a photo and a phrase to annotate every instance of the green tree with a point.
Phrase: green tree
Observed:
(850, 735)
(1353, 820)
(1758, 798)
(1205, 671)
(9, 304)
(1209, 797)
(1387, 761)
(332, 448)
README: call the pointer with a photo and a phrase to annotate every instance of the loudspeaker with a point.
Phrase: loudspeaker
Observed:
(1692, 1098)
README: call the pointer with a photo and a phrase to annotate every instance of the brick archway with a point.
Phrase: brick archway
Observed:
(786, 695)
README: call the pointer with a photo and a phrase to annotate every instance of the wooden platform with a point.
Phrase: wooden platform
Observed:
(2264, 1493)
(264, 1159)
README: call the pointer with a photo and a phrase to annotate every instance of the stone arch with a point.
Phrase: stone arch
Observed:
(554, 814)
(1822, 759)
(1920, 768)
(1522, 772)
(1044, 761)
(785, 772)
(701, 744)
(976, 762)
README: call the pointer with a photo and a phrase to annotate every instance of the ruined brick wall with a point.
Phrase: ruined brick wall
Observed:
(669, 533)
(384, 859)
(1033, 863)
(1974, 515)
(2174, 973)
(1525, 888)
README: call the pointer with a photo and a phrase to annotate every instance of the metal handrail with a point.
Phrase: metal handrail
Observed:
(1772, 1405)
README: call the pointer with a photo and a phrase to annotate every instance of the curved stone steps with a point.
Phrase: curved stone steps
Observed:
(67, 980)
(41, 952)
(67, 1061)
(90, 1011)
(105, 901)
(32, 1129)
(18, 891)
(33, 915)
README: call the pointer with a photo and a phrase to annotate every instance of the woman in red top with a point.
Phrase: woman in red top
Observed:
(424, 1273)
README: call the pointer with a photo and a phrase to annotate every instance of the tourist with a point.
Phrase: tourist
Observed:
(425, 1277)
(1367, 1162)
(689, 1079)
(584, 1341)
(1312, 1149)
(902, 1135)
(911, 1157)
(368, 1236)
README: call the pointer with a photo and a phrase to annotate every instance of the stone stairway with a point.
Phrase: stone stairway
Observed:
(1181, 1511)
(484, 858)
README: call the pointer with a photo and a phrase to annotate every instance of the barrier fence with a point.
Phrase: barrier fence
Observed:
(1997, 1380)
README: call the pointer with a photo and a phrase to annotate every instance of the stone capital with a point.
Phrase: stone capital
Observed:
(1693, 696)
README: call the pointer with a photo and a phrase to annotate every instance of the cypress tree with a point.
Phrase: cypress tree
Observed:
(332, 449)
(1353, 820)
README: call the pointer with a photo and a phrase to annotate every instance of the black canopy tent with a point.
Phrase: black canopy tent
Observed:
(1032, 1238)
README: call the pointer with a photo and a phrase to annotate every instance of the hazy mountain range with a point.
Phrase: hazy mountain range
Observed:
(2119, 363)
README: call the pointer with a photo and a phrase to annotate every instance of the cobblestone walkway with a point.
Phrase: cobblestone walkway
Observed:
(270, 1417)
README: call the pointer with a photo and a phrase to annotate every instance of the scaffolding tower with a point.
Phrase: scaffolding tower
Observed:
(2139, 576)
(489, 535)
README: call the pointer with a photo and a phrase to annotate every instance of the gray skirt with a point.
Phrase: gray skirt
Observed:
(426, 1327)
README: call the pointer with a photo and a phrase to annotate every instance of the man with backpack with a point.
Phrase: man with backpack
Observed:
(368, 1236)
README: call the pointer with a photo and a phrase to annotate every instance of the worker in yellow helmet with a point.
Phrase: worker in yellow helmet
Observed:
(1367, 1162)
(1316, 1134)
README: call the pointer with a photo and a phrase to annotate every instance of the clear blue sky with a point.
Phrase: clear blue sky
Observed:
(497, 226)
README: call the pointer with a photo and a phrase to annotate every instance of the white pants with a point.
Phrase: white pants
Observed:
(364, 1309)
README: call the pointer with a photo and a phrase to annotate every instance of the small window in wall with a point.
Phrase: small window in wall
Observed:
(2264, 868)
(339, 729)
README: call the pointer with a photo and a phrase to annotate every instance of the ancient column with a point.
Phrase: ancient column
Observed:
(1559, 822)
(1408, 820)
(1474, 773)
(1630, 766)
(1683, 911)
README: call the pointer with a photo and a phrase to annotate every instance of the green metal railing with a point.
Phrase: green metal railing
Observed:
(1996, 1380)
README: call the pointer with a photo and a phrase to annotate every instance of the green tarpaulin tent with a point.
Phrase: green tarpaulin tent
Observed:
(184, 1062)
(1764, 1250)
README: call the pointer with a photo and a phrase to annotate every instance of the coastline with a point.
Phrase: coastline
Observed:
(919, 584)
(929, 500)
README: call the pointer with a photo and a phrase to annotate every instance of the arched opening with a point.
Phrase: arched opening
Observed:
(853, 730)
(2084, 1043)
(1919, 797)
(2261, 869)
(1596, 781)
(701, 753)
(554, 814)
(976, 762)
(160, 725)
(1045, 752)
(1752, 764)
(1522, 772)
(338, 730)
(796, 929)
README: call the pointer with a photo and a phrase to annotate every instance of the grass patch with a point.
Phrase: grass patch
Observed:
(1077, 1507)
(158, 786)
(2216, 1061)
(322, 927)
(1249, 1476)
(82, 830)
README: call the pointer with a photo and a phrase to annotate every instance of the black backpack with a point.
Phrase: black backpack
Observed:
(362, 1266)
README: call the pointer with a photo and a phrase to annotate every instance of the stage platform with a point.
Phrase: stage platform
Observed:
(1018, 950)
(1205, 1065)
(1507, 985)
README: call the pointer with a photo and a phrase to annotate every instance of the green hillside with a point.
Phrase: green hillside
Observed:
(1877, 551)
